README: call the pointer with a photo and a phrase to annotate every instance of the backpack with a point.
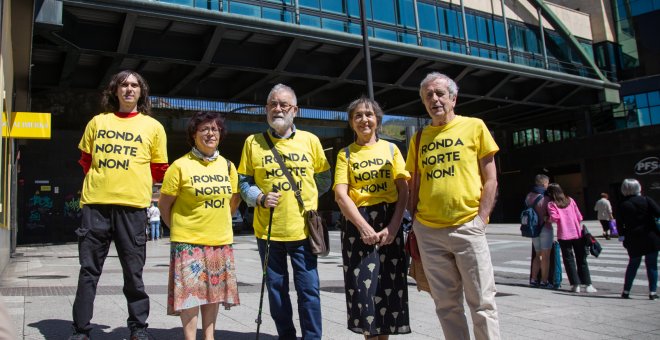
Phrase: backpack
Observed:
(529, 220)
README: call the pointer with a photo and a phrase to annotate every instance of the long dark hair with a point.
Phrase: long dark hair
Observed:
(202, 117)
(557, 195)
(110, 102)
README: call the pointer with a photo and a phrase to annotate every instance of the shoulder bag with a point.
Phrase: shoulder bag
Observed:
(319, 239)
(416, 270)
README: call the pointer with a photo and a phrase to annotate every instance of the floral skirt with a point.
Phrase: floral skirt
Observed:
(375, 279)
(201, 275)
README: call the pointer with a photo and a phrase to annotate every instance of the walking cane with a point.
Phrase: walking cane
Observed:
(263, 278)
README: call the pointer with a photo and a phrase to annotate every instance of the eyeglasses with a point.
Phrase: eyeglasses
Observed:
(284, 106)
(206, 130)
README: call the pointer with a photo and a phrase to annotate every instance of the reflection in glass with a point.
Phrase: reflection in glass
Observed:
(309, 20)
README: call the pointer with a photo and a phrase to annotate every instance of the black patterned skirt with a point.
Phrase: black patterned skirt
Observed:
(375, 279)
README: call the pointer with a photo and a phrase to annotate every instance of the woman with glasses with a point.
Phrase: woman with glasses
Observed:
(371, 190)
(198, 197)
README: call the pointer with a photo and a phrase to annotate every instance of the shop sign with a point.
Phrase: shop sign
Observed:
(28, 125)
(648, 166)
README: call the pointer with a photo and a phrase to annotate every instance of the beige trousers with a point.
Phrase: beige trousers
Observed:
(457, 263)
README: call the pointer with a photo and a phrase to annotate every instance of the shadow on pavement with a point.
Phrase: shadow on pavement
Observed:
(54, 329)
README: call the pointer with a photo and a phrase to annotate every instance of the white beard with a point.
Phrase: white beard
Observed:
(281, 125)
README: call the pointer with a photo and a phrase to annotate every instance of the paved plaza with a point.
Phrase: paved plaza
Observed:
(38, 288)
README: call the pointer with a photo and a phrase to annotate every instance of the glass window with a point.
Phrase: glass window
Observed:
(206, 4)
(181, 2)
(644, 117)
(245, 9)
(384, 11)
(310, 20)
(333, 6)
(430, 42)
(532, 41)
(335, 25)
(283, 2)
(483, 30)
(471, 27)
(428, 20)
(353, 7)
(641, 100)
(654, 98)
(406, 13)
(453, 22)
(385, 34)
(276, 14)
(314, 4)
(354, 28)
(638, 7)
(408, 38)
(655, 115)
(500, 35)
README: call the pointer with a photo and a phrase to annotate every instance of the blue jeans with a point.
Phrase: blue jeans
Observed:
(651, 261)
(306, 281)
(155, 229)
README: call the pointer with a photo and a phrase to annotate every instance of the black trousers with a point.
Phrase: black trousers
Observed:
(578, 273)
(102, 224)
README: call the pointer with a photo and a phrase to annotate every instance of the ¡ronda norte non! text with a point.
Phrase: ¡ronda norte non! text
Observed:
(117, 149)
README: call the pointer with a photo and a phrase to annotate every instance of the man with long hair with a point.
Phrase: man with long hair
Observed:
(124, 151)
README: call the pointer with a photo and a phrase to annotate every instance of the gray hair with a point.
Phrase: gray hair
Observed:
(631, 187)
(369, 104)
(540, 179)
(280, 88)
(433, 76)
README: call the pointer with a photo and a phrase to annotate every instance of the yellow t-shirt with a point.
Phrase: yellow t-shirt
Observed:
(373, 169)
(303, 156)
(201, 213)
(450, 181)
(122, 150)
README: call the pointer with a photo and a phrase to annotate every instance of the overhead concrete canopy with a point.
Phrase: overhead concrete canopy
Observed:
(197, 53)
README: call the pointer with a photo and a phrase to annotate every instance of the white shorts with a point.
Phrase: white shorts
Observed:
(544, 240)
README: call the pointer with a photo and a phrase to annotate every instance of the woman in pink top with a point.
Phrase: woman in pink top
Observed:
(563, 211)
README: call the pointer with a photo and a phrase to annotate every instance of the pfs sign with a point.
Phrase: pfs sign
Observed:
(647, 166)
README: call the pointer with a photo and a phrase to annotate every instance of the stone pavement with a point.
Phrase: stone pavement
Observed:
(38, 288)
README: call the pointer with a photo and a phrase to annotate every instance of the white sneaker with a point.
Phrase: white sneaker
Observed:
(575, 288)
(590, 289)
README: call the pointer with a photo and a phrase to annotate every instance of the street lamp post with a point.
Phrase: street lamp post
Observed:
(365, 48)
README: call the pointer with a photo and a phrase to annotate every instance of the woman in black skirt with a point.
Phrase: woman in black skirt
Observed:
(371, 190)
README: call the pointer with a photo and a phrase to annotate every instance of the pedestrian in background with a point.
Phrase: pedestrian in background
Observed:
(604, 210)
(124, 151)
(197, 199)
(375, 278)
(543, 243)
(457, 190)
(154, 221)
(563, 211)
(259, 173)
(637, 228)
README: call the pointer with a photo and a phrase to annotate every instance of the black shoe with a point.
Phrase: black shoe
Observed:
(625, 295)
(79, 336)
(139, 333)
(653, 296)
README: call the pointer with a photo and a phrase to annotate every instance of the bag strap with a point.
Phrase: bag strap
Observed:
(287, 174)
(536, 201)
(416, 177)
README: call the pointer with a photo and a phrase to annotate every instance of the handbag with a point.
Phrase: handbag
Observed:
(590, 242)
(614, 231)
(319, 238)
